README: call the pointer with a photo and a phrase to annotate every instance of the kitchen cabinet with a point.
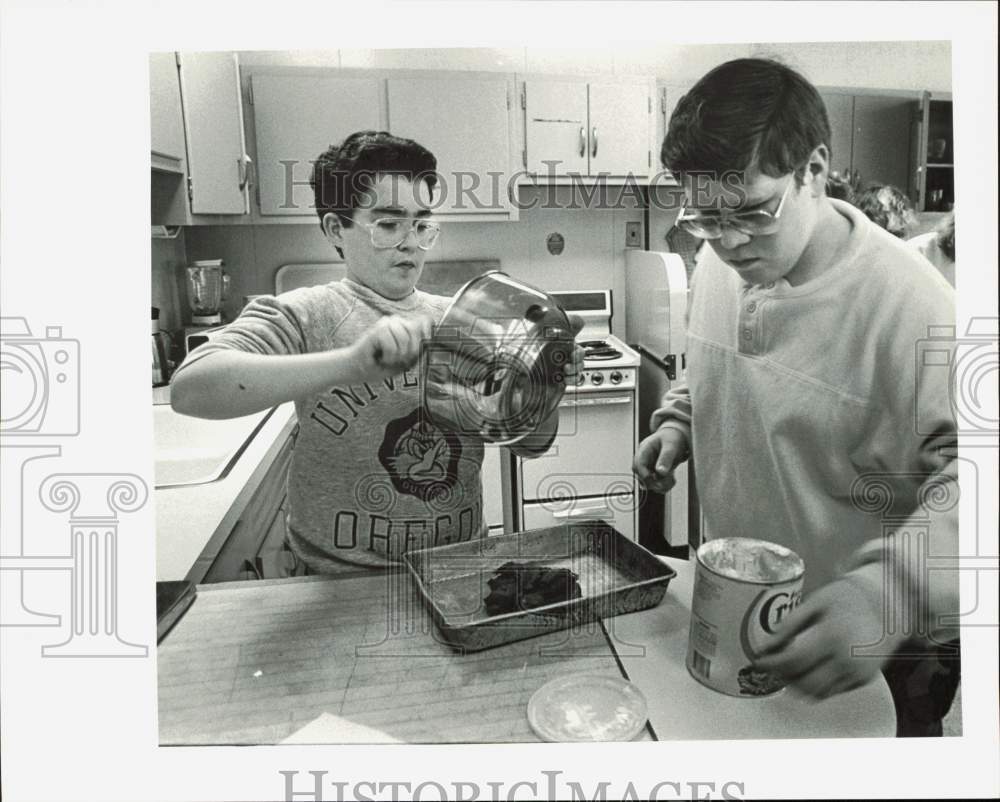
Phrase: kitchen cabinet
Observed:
(667, 98)
(663, 194)
(218, 166)
(870, 136)
(260, 529)
(297, 114)
(932, 176)
(588, 128)
(465, 121)
(201, 170)
(166, 120)
(840, 111)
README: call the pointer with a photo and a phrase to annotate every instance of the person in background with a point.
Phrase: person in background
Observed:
(802, 390)
(839, 187)
(888, 207)
(371, 477)
(938, 247)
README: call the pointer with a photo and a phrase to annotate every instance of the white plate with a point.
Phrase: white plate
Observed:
(587, 707)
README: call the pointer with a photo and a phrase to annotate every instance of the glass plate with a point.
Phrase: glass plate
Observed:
(587, 707)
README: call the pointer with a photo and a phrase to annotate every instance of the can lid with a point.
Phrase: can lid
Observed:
(207, 263)
(751, 560)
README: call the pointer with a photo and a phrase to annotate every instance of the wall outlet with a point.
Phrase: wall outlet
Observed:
(633, 235)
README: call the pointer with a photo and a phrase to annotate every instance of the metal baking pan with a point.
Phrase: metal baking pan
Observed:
(615, 574)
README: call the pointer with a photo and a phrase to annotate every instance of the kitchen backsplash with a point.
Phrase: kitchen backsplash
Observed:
(168, 260)
(593, 255)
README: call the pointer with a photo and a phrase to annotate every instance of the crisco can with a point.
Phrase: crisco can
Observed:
(743, 589)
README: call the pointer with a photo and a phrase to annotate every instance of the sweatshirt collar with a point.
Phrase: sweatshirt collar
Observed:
(379, 302)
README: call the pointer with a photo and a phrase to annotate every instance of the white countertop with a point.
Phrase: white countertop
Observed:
(190, 517)
(652, 646)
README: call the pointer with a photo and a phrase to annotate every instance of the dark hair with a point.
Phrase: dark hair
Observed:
(946, 236)
(343, 173)
(747, 113)
(839, 188)
(887, 207)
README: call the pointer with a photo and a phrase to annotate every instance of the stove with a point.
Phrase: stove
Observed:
(608, 364)
(587, 473)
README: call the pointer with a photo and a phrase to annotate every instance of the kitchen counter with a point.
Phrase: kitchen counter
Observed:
(194, 520)
(355, 657)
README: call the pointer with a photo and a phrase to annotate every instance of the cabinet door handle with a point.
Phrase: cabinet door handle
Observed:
(246, 167)
(583, 141)
(593, 153)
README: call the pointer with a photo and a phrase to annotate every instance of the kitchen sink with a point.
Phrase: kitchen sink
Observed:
(194, 451)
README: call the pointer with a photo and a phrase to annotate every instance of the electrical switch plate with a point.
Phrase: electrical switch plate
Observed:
(633, 235)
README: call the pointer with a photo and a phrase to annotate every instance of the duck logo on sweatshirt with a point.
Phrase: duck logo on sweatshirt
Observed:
(420, 459)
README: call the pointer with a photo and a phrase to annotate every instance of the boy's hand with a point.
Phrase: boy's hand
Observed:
(657, 456)
(391, 346)
(813, 647)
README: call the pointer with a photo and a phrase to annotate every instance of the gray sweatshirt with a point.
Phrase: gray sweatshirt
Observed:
(370, 477)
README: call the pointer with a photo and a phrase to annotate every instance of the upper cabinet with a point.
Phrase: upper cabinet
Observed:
(588, 128)
(840, 111)
(933, 154)
(898, 138)
(210, 167)
(218, 166)
(166, 120)
(201, 170)
(880, 150)
(621, 123)
(298, 114)
(465, 121)
(870, 136)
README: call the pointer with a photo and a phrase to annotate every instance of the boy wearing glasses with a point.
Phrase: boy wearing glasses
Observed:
(804, 395)
(370, 476)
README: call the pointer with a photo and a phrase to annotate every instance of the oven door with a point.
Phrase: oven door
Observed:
(591, 455)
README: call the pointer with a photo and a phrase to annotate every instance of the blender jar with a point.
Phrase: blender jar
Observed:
(207, 286)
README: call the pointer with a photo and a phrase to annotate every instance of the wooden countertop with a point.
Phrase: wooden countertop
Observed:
(255, 662)
(252, 662)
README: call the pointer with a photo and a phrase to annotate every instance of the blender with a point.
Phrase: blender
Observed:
(207, 286)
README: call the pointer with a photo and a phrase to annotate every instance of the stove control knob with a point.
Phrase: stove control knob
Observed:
(581, 377)
(616, 377)
(597, 379)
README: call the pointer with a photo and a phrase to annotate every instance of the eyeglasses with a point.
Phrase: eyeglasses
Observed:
(754, 224)
(388, 232)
